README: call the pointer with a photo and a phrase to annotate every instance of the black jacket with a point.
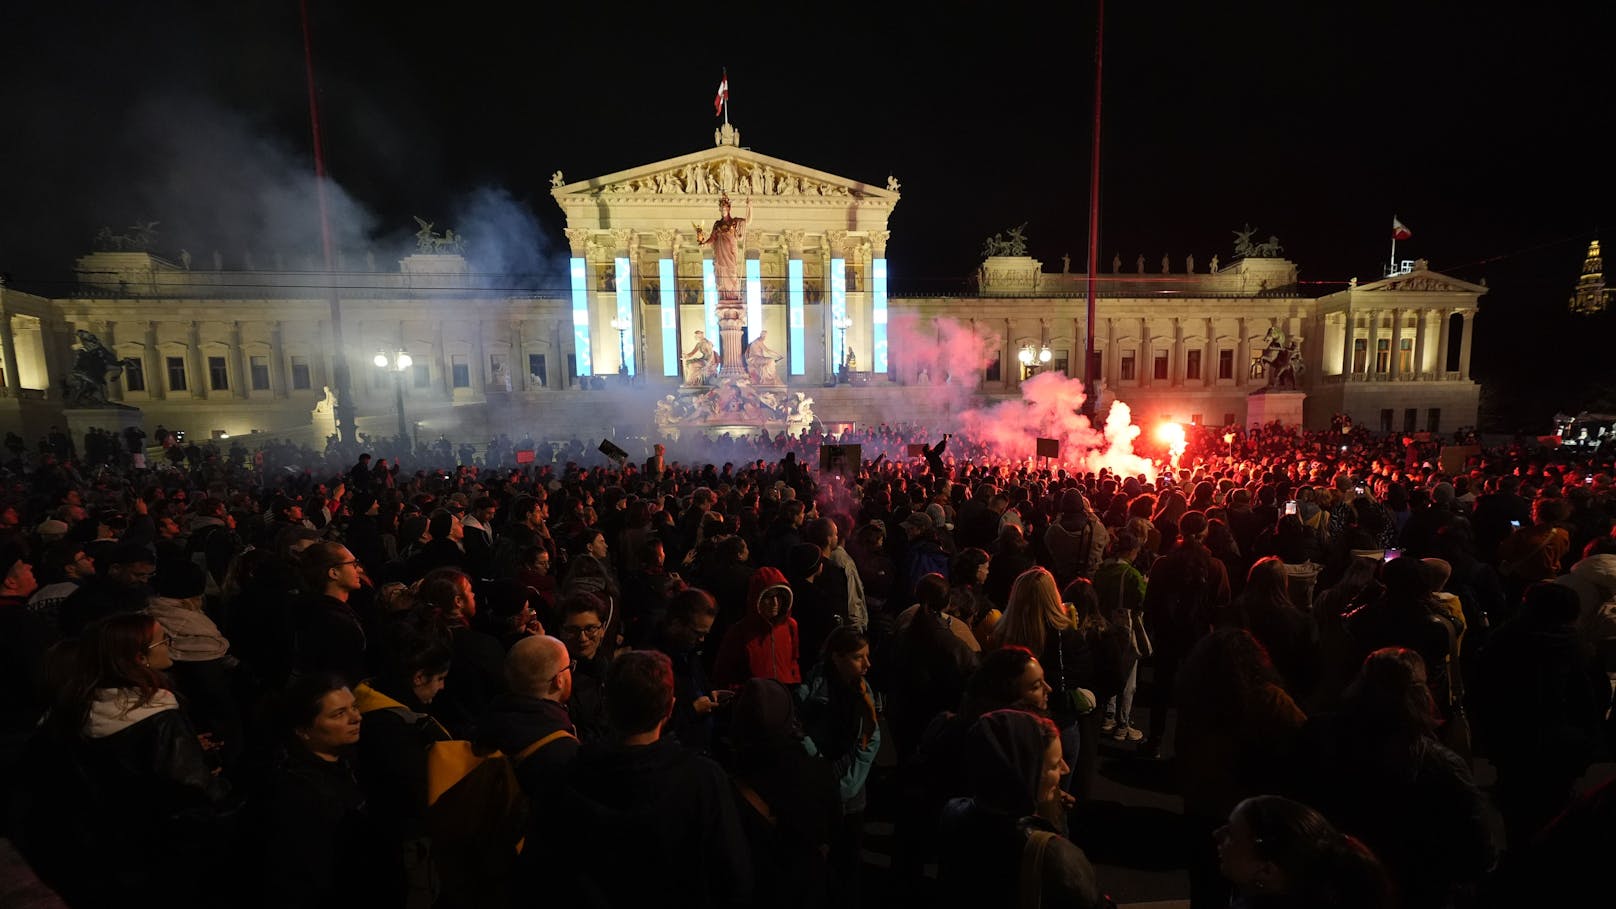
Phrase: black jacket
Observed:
(313, 843)
(327, 637)
(513, 722)
(645, 825)
(982, 855)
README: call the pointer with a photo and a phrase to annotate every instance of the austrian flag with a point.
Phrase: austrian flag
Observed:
(723, 95)
(1400, 230)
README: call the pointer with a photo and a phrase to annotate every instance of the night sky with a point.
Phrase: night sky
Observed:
(1312, 122)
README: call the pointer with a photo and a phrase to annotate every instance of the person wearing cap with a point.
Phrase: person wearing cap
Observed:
(52, 530)
(202, 660)
(121, 585)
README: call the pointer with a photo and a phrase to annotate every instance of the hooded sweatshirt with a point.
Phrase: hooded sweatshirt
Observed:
(1594, 580)
(760, 648)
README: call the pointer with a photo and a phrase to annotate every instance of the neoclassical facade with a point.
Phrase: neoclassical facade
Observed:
(219, 351)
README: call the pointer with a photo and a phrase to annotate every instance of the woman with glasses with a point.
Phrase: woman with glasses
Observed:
(115, 750)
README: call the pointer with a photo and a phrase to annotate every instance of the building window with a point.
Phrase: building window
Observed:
(1060, 364)
(1386, 419)
(1411, 419)
(218, 374)
(1360, 354)
(994, 372)
(537, 369)
(1383, 355)
(134, 375)
(300, 373)
(1192, 366)
(1228, 419)
(1158, 368)
(1195, 419)
(176, 374)
(1405, 355)
(1226, 363)
(1125, 371)
(423, 375)
(1433, 420)
(260, 373)
(461, 371)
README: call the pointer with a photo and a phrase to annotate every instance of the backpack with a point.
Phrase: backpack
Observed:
(476, 810)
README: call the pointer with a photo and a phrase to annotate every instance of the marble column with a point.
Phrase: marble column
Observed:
(240, 378)
(1113, 357)
(8, 347)
(277, 360)
(1175, 371)
(518, 365)
(50, 355)
(1242, 355)
(1424, 317)
(1209, 354)
(156, 371)
(1146, 370)
(1347, 332)
(479, 350)
(198, 379)
(1373, 344)
(1393, 363)
(1464, 344)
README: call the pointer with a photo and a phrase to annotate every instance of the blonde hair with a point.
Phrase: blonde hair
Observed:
(1034, 608)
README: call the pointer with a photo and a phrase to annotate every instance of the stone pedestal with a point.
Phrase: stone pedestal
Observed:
(1266, 405)
(80, 420)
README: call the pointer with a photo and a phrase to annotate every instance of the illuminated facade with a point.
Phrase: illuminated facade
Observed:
(231, 352)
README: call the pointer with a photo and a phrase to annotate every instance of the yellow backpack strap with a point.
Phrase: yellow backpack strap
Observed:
(530, 750)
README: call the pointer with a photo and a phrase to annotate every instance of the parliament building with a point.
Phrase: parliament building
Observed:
(229, 352)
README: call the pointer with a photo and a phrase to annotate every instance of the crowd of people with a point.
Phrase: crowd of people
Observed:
(439, 676)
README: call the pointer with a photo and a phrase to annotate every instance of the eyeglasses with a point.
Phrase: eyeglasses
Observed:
(167, 640)
(570, 667)
(585, 631)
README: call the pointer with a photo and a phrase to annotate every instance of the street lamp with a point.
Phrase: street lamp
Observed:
(622, 325)
(1028, 356)
(842, 324)
(396, 364)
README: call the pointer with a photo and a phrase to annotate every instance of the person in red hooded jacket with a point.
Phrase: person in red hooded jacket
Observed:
(764, 643)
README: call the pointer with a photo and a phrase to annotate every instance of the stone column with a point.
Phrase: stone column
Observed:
(1393, 364)
(1424, 317)
(156, 374)
(277, 360)
(1111, 355)
(241, 378)
(479, 382)
(1242, 356)
(1209, 363)
(8, 346)
(199, 373)
(1147, 354)
(1372, 345)
(1348, 332)
(441, 356)
(1175, 366)
(518, 364)
(1442, 332)
(50, 356)
(1464, 344)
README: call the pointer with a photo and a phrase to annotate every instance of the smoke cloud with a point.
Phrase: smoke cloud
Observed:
(1049, 408)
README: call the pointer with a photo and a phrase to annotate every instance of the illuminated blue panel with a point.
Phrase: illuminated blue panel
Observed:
(838, 309)
(794, 299)
(580, 317)
(754, 296)
(709, 302)
(670, 319)
(878, 316)
(625, 311)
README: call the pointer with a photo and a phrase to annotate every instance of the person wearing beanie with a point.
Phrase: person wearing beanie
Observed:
(1011, 822)
(1076, 541)
(203, 663)
(52, 531)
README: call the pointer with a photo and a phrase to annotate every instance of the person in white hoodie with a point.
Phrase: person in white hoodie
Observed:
(122, 792)
(203, 666)
(1594, 580)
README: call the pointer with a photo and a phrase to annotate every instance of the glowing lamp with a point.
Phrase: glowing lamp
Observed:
(404, 361)
(380, 360)
(1044, 354)
(1025, 356)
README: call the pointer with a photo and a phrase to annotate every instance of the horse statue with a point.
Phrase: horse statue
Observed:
(94, 366)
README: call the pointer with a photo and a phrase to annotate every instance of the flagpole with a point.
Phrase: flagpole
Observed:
(726, 96)
(1391, 266)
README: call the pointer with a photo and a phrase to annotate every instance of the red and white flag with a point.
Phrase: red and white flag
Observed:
(723, 95)
(1400, 230)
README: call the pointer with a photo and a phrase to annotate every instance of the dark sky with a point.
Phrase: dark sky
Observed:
(1314, 122)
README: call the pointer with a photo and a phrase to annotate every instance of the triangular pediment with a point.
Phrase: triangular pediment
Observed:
(738, 171)
(1421, 280)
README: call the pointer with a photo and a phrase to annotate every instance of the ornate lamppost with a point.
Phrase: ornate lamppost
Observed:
(396, 364)
(622, 325)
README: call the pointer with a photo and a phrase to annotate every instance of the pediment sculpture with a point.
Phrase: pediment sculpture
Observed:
(726, 175)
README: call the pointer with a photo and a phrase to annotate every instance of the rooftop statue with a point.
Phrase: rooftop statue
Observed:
(1012, 242)
(426, 241)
